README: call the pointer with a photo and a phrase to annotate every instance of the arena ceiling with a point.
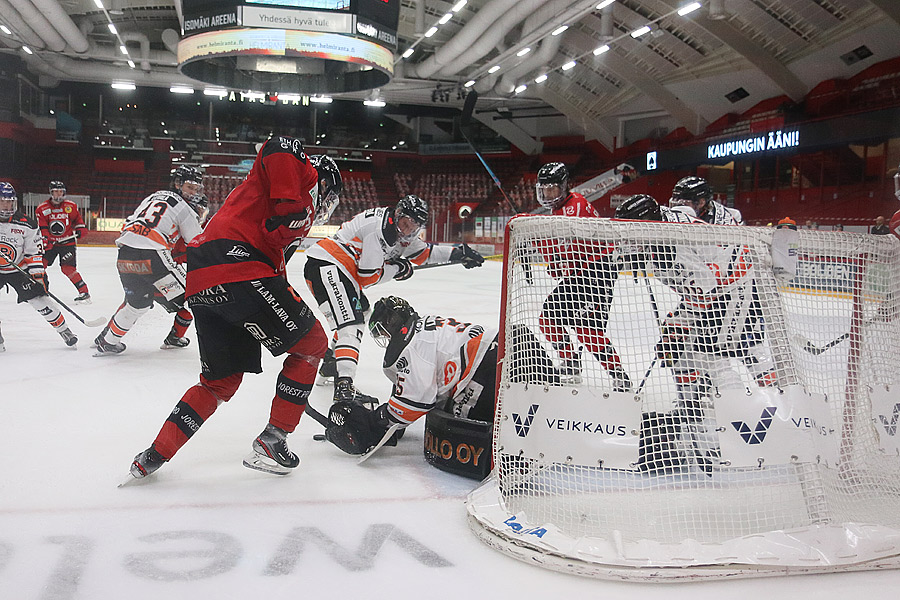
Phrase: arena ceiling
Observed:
(685, 71)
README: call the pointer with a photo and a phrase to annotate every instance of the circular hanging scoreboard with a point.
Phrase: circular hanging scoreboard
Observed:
(290, 46)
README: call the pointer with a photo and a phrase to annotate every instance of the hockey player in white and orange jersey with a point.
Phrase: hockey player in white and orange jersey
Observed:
(377, 245)
(146, 267)
(433, 362)
(22, 263)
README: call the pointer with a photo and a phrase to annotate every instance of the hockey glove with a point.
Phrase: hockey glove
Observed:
(292, 220)
(672, 343)
(465, 255)
(404, 266)
(355, 429)
(41, 278)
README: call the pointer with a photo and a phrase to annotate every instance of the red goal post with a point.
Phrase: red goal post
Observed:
(679, 401)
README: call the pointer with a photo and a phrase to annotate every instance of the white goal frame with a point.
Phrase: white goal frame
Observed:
(821, 493)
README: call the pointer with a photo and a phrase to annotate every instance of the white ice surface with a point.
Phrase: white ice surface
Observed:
(206, 527)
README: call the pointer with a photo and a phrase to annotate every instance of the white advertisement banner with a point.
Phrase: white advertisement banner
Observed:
(769, 426)
(886, 417)
(576, 426)
(283, 18)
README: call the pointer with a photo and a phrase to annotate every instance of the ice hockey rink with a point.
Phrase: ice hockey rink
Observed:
(204, 526)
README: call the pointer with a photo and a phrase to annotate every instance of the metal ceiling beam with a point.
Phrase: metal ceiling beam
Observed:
(592, 129)
(512, 132)
(765, 63)
(889, 7)
(625, 70)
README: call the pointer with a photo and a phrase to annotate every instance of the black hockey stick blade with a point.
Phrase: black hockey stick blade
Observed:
(317, 416)
(817, 350)
(468, 108)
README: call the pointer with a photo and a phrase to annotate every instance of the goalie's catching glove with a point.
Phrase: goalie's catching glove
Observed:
(404, 268)
(355, 429)
(465, 255)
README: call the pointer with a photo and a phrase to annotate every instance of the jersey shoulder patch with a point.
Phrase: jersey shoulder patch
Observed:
(388, 227)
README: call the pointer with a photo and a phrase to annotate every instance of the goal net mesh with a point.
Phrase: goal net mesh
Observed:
(678, 395)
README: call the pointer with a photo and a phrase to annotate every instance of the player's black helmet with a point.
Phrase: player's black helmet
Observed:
(416, 209)
(691, 191)
(392, 316)
(57, 185)
(329, 195)
(9, 201)
(185, 174)
(639, 207)
(552, 185)
(200, 204)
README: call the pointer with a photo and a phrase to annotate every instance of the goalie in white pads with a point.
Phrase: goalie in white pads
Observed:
(146, 267)
(20, 246)
(718, 319)
(377, 245)
(696, 193)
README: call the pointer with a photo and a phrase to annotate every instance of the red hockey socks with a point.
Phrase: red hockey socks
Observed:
(183, 320)
(75, 278)
(296, 379)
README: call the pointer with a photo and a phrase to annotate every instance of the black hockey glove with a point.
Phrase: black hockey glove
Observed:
(405, 268)
(468, 257)
(355, 429)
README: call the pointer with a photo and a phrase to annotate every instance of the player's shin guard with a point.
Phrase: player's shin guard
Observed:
(183, 319)
(296, 380)
(49, 311)
(194, 408)
(122, 322)
(75, 278)
(346, 350)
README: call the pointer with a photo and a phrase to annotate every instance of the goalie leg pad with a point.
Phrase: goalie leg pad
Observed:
(456, 445)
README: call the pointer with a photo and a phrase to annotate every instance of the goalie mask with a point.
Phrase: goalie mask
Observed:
(330, 187)
(187, 181)
(8, 200)
(639, 207)
(692, 191)
(57, 192)
(410, 217)
(552, 184)
(392, 316)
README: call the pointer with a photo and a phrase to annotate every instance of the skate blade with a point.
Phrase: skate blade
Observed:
(266, 465)
(88, 301)
(168, 347)
(322, 380)
(132, 480)
(105, 354)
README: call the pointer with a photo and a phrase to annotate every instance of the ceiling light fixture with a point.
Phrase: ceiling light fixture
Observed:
(99, 4)
(123, 49)
(569, 65)
(521, 88)
(458, 6)
(131, 63)
(409, 52)
(601, 50)
(112, 29)
(494, 69)
(604, 4)
(431, 32)
(445, 18)
(559, 29)
(181, 89)
(122, 85)
(375, 103)
(523, 52)
(541, 78)
(5, 30)
(689, 9)
(469, 83)
(220, 92)
(27, 50)
(639, 32)
(321, 99)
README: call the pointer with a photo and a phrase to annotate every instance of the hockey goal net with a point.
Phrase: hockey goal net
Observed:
(680, 401)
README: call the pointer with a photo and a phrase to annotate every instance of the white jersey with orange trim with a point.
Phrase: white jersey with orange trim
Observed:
(438, 363)
(159, 221)
(21, 245)
(364, 245)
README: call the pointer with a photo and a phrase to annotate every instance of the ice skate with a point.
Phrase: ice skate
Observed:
(173, 341)
(271, 453)
(344, 390)
(68, 337)
(620, 379)
(144, 464)
(84, 298)
(104, 348)
(570, 372)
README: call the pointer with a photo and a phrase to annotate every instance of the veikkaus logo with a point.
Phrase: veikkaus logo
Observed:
(890, 427)
(758, 433)
(523, 426)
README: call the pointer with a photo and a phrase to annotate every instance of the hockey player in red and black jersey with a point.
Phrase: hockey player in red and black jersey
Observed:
(61, 226)
(242, 301)
(146, 267)
(579, 305)
(377, 245)
(22, 264)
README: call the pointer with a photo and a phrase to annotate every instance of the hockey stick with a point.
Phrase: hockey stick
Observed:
(464, 121)
(387, 435)
(658, 324)
(91, 323)
(817, 350)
